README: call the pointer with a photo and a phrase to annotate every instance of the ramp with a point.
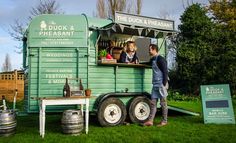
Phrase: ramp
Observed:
(181, 110)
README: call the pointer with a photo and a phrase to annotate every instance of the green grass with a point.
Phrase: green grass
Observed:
(181, 128)
(188, 105)
(194, 106)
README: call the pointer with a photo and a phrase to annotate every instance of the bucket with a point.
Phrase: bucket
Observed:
(72, 122)
(87, 92)
(7, 122)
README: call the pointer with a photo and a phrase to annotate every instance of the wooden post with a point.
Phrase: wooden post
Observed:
(15, 75)
(15, 91)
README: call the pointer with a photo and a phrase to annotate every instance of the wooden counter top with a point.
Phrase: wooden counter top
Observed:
(125, 65)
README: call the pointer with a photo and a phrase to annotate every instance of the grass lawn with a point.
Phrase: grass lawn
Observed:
(188, 105)
(181, 128)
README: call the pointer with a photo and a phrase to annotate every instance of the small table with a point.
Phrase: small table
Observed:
(82, 100)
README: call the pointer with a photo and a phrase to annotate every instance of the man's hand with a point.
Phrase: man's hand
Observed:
(167, 86)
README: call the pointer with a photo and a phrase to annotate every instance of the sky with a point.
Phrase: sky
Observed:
(10, 10)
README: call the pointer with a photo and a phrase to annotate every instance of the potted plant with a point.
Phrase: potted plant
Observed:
(102, 54)
(87, 92)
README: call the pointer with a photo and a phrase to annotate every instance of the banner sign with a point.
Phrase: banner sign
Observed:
(143, 21)
(217, 104)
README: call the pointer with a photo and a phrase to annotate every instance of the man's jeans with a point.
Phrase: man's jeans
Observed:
(154, 109)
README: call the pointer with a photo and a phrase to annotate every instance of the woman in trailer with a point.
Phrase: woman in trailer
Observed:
(129, 54)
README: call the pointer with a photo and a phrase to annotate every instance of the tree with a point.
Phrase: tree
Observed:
(101, 9)
(107, 8)
(194, 49)
(17, 29)
(139, 6)
(116, 5)
(45, 7)
(7, 64)
(206, 51)
(223, 14)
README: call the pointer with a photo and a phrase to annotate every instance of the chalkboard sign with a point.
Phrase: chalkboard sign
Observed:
(217, 104)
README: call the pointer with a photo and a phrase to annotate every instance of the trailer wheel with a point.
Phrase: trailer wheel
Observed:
(139, 109)
(111, 112)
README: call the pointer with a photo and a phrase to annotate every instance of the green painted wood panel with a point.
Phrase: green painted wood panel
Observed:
(110, 78)
(50, 67)
(50, 64)
(147, 80)
(101, 79)
(58, 31)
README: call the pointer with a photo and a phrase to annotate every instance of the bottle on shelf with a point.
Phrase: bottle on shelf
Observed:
(106, 44)
(121, 44)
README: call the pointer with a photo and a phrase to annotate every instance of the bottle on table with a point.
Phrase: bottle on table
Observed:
(66, 89)
(81, 85)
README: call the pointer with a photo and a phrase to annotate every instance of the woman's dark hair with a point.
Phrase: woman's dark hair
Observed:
(154, 47)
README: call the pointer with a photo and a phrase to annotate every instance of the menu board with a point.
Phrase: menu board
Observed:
(217, 104)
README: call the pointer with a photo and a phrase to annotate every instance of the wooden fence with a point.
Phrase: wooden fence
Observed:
(9, 83)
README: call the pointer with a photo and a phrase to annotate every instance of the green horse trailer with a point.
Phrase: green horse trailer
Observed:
(60, 47)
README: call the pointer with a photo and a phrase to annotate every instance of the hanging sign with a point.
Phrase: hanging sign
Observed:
(143, 21)
(217, 104)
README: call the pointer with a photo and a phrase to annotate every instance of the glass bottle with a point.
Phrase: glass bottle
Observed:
(66, 89)
(81, 85)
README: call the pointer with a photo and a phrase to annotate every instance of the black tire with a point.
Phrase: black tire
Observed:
(111, 112)
(139, 109)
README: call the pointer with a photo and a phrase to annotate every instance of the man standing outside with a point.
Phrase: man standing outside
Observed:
(160, 85)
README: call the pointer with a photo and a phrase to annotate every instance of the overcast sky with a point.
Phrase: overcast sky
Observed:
(19, 9)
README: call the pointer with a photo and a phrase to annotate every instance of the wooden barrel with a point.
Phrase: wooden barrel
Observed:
(72, 122)
(7, 122)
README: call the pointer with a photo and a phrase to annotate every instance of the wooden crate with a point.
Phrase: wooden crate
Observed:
(109, 61)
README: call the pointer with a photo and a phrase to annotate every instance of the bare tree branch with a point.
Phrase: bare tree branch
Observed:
(116, 5)
(108, 7)
(164, 14)
(45, 7)
(101, 9)
(183, 4)
(139, 6)
(17, 29)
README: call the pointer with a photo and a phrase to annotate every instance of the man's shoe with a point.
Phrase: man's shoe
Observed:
(162, 124)
(148, 123)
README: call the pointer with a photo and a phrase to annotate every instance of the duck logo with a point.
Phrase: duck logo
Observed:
(43, 25)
